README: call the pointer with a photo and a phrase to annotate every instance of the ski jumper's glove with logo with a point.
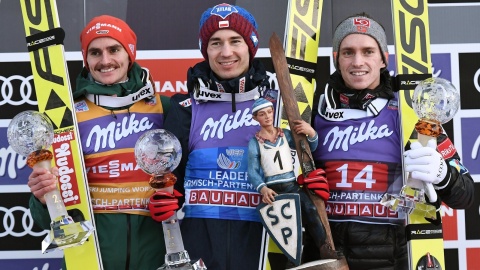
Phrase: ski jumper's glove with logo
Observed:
(316, 181)
(163, 204)
(427, 164)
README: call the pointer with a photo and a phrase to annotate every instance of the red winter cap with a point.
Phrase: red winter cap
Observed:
(112, 27)
(226, 16)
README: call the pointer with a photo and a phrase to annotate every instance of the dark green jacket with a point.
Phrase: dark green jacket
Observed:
(133, 240)
(127, 242)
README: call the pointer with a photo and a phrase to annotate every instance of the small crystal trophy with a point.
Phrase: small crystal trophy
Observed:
(435, 101)
(158, 153)
(30, 134)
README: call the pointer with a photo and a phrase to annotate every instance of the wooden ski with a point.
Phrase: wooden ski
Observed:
(303, 149)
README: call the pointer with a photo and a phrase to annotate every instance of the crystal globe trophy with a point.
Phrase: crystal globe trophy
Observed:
(435, 101)
(158, 153)
(30, 134)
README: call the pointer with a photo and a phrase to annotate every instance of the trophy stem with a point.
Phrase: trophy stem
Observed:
(176, 256)
(411, 199)
(64, 231)
(172, 234)
(53, 199)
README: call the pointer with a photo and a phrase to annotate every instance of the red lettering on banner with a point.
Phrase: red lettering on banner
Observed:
(193, 197)
(255, 199)
(351, 209)
(366, 210)
(169, 74)
(242, 199)
(216, 197)
(381, 211)
(228, 198)
(203, 196)
(359, 209)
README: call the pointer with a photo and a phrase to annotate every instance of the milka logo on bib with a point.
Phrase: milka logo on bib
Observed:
(228, 122)
(115, 131)
(337, 138)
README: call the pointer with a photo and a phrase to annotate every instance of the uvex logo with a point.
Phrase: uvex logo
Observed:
(334, 115)
(202, 93)
(142, 93)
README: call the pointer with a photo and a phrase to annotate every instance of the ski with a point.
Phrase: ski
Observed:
(304, 154)
(52, 87)
(413, 64)
(301, 41)
(302, 37)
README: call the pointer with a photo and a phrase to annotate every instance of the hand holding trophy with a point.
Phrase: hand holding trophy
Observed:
(435, 101)
(30, 134)
(158, 153)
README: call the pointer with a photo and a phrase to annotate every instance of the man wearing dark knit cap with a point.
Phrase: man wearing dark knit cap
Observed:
(214, 124)
(115, 104)
(358, 125)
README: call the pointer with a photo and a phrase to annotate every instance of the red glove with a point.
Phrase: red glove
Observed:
(317, 182)
(163, 204)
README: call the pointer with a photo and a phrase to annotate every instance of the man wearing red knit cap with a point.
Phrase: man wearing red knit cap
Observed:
(115, 103)
(214, 124)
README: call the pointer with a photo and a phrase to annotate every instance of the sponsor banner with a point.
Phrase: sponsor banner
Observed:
(472, 219)
(18, 94)
(17, 89)
(170, 75)
(441, 65)
(17, 229)
(470, 134)
(469, 75)
(451, 259)
(32, 264)
(450, 224)
(472, 258)
(13, 168)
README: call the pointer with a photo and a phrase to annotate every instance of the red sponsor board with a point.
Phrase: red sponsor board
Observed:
(449, 223)
(472, 258)
(170, 75)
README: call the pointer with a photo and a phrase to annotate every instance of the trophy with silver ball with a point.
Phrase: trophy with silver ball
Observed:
(435, 101)
(30, 134)
(158, 152)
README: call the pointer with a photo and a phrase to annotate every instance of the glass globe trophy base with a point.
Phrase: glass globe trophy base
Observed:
(181, 261)
(410, 201)
(66, 233)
